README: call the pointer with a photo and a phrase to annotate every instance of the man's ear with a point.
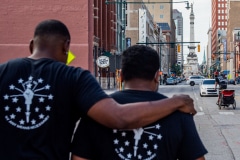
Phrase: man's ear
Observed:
(66, 46)
(31, 46)
(156, 77)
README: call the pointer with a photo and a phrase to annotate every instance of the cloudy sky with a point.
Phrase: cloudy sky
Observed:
(202, 23)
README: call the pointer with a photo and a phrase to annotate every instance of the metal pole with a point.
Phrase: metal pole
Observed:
(235, 73)
(160, 58)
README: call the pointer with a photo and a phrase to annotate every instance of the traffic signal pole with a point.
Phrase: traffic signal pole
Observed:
(163, 43)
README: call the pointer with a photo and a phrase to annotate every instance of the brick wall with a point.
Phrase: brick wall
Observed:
(19, 18)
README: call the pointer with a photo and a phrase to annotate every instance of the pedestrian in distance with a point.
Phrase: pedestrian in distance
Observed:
(222, 84)
(41, 99)
(171, 138)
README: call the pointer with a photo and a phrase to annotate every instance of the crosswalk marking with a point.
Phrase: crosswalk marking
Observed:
(226, 113)
(200, 113)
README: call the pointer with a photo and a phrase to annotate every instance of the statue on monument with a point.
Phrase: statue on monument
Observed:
(191, 54)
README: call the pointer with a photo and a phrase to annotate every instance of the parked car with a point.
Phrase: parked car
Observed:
(179, 80)
(207, 88)
(231, 81)
(170, 81)
(175, 80)
(192, 80)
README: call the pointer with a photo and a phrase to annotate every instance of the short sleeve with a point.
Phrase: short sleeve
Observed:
(87, 91)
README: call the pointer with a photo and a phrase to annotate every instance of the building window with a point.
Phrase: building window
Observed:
(161, 15)
(161, 6)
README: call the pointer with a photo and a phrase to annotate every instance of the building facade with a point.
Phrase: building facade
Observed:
(178, 19)
(233, 36)
(219, 21)
(19, 18)
(209, 53)
(161, 11)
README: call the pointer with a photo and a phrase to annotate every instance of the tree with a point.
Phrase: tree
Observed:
(176, 68)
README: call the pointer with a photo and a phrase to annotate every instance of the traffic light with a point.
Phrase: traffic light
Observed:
(178, 48)
(198, 48)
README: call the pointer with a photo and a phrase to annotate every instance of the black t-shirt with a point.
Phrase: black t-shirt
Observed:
(220, 81)
(167, 139)
(40, 102)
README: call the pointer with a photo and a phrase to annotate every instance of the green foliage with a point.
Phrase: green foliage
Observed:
(177, 69)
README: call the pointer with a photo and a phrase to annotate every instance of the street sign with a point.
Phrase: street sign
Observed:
(70, 58)
(103, 61)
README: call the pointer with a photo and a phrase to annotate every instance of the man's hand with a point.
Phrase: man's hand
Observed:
(186, 102)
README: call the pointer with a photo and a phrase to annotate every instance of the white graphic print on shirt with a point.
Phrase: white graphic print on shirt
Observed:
(127, 143)
(27, 116)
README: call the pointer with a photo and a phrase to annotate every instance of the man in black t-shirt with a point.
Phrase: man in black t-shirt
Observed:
(41, 99)
(171, 138)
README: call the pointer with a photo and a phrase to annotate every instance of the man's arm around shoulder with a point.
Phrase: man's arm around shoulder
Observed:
(74, 157)
(134, 115)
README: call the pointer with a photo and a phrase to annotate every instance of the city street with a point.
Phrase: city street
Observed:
(218, 129)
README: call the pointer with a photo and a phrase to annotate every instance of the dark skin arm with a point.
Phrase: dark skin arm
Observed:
(128, 116)
(216, 85)
(201, 158)
(74, 157)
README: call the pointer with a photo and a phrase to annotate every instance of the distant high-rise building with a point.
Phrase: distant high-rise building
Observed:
(178, 19)
(161, 11)
(219, 20)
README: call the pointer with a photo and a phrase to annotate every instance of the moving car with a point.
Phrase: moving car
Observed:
(192, 80)
(207, 88)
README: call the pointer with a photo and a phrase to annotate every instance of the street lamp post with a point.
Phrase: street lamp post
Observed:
(237, 54)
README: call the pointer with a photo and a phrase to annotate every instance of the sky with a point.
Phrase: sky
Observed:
(202, 23)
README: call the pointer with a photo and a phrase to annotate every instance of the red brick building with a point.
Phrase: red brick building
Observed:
(219, 21)
(19, 18)
(92, 25)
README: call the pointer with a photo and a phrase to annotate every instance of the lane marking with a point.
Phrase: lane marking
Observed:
(200, 113)
(226, 113)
